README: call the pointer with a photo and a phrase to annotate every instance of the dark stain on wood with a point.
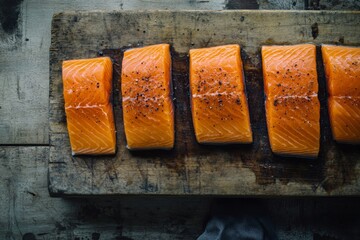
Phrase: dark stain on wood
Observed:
(317, 236)
(9, 15)
(341, 40)
(29, 236)
(315, 30)
(312, 4)
(236, 4)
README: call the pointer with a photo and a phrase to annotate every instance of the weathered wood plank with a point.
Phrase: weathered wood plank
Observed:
(28, 212)
(26, 209)
(191, 168)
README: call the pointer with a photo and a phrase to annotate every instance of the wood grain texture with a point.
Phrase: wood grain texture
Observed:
(333, 5)
(27, 212)
(191, 168)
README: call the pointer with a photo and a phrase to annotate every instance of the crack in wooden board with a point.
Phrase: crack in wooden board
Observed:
(190, 168)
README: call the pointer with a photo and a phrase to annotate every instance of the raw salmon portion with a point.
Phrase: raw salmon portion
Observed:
(342, 70)
(89, 113)
(292, 104)
(146, 97)
(218, 101)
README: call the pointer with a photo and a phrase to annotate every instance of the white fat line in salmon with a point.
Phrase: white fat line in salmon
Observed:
(89, 106)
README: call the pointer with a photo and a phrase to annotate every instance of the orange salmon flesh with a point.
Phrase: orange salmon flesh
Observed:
(342, 70)
(146, 98)
(89, 113)
(292, 104)
(218, 101)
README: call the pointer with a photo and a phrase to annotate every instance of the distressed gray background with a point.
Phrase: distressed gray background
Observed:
(27, 211)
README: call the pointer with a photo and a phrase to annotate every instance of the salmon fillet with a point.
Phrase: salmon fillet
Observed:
(89, 113)
(218, 101)
(292, 104)
(146, 97)
(342, 70)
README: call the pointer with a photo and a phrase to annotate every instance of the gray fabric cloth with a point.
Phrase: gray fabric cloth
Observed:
(238, 228)
(234, 219)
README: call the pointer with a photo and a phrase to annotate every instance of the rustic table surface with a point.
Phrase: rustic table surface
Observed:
(26, 209)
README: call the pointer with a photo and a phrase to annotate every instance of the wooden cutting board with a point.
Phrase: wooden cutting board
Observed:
(190, 168)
